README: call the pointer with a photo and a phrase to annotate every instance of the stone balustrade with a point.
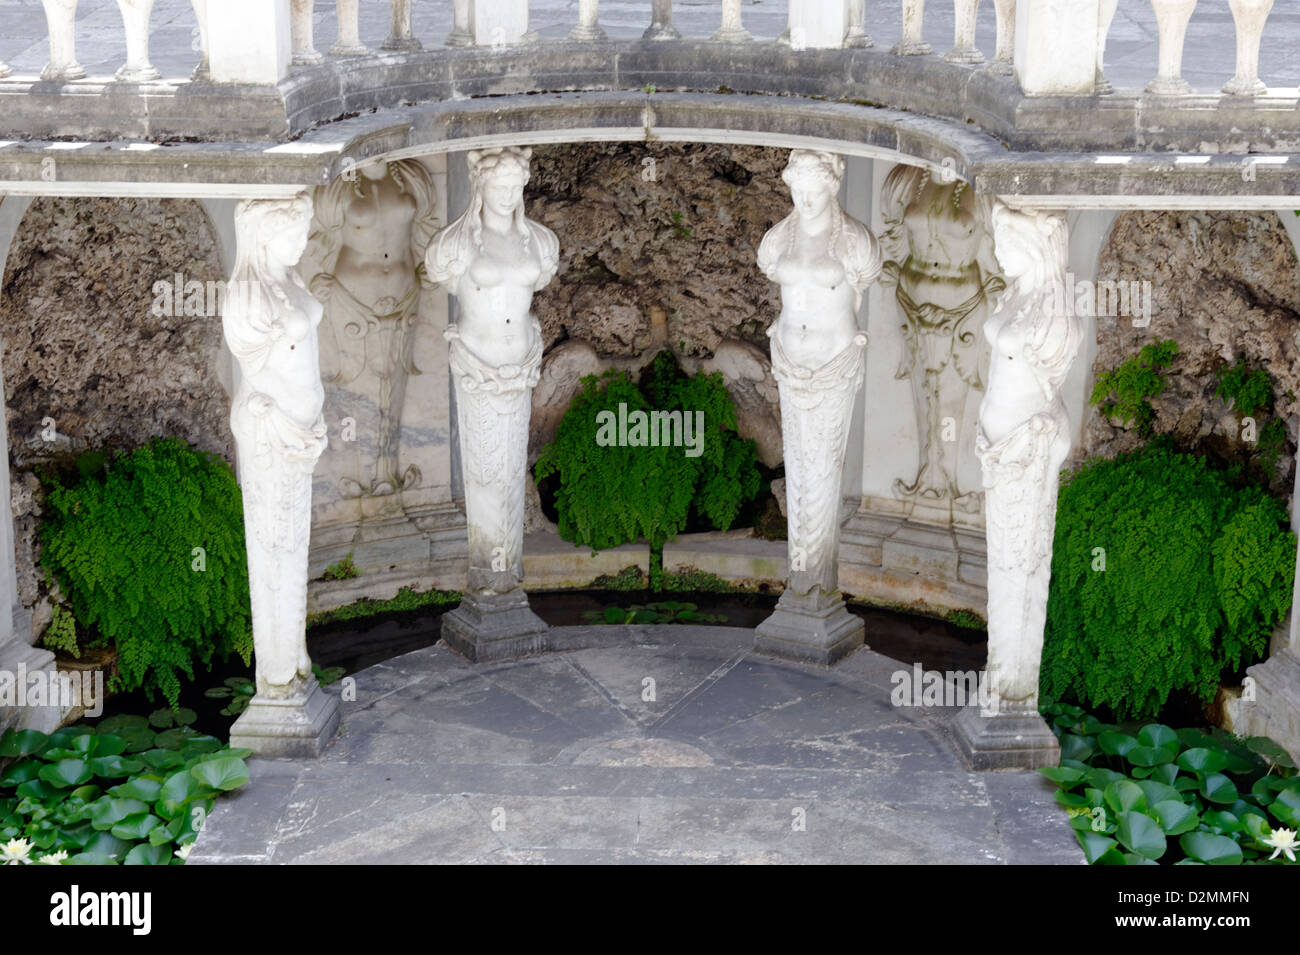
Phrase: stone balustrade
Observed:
(1056, 51)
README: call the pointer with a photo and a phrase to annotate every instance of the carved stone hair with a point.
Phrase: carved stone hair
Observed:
(826, 167)
(488, 164)
(1038, 286)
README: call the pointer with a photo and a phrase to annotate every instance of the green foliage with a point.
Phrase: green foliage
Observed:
(629, 578)
(61, 634)
(693, 580)
(612, 494)
(1196, 574)
(966, 620)
(131, 790)
(1136, 795)
(327, 675)
(1250, 391)
(238, 689)
(405, 599)
(659, 612)
(341, 570)
(1124, 392)
(123, 542)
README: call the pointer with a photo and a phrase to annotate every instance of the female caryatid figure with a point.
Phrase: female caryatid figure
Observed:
(492, 259)
(941, 264)
(370, 229)
(1022, 439)
(270, 321)
(823, 260)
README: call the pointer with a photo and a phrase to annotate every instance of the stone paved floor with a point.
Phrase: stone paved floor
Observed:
(563, 758)
(1131, 51)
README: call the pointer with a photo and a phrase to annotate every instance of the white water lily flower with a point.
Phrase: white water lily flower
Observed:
(1284, 842)
(54, 858)
(16, 852)
(184, 851)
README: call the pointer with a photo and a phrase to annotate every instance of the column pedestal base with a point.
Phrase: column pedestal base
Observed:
(297, 727)
(20, 659)
(1016, 738)
(816, 628)
(489, 627)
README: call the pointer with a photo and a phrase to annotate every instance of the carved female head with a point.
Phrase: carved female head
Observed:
(271, 235)
(814, 180)
(1032, 247)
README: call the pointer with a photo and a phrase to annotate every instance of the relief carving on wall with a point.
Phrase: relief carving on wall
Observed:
(939, 260)
(368, 237)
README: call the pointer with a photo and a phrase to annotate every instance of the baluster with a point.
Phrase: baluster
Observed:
(201, 15)
(61, 19)
(857, 35)
(460, 35)
(963, 44)
(1004, 59)
(912, 44)
(135, 20)
(349, 41)
(1249, 16)
(400, 36)
(588, 27)
(300, 29)
(1101, 85)
(661, 22)
(1172, 17)
(731, 31)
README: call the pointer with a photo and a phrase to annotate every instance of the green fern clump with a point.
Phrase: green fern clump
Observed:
(1164, 575)
(1124, 392)
(610, 495)
(148, 548)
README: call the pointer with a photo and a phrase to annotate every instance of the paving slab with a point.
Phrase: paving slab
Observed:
(566, 758)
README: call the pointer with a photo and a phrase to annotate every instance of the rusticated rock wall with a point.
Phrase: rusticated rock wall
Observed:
(1224, 285)
(644, 227)
(85, 349)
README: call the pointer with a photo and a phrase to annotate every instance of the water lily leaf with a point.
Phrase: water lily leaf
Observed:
(1102, 777)
(1157, 792)
(107, 744)
(1069, 799)
(21, 742)
(1063, 776)
(20, 772)
(201, 744)
(1223, 822)
(1165, 773)
(1217, 787)
(1270, 750)
(224, 774)
(1175, 816)
(1140, 833)
(1095, 845)
(1116, 744)
(162, 759)
(1124, 795)
(141, 787)
(127, 721)
(144, 854)
(1211, 849)
(174, 739)
(1201, 760)
(36, 789)
(1076, 747)
(179, 787)
(136, 827)
(1149, 755)
(1133, 858)
(1158, 736)
(106, 844)
(66, 772)
(106, 812)
(115, 767)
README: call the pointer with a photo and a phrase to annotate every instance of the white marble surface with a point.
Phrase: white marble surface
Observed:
(1208, 60)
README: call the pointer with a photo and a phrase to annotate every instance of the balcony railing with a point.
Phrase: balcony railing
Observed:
(1063, 51)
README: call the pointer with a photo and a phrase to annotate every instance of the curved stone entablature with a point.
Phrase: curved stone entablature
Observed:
(820, 97)
(1113, 179)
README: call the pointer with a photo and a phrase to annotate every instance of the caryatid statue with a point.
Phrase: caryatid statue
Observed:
(1022, 440)
(492, 259)
(270, 321)
(369, 232)
(824, 260)
(941, 265)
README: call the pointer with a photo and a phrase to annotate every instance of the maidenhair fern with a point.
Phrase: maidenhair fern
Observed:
(149, 550)
(1164, 575)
